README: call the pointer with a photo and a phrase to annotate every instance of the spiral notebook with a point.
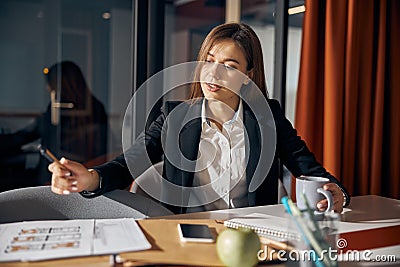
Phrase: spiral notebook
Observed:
(273, 227)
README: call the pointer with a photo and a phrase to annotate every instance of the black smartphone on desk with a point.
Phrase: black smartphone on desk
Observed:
(195, 233)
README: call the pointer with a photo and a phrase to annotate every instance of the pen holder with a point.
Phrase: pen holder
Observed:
(324, 231)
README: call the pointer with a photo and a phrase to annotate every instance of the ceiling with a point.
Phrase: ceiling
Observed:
(255, 12)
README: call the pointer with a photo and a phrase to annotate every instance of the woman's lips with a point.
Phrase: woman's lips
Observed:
(213, 87)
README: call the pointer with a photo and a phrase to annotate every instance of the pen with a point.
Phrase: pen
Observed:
(275, 244)
(49, 156)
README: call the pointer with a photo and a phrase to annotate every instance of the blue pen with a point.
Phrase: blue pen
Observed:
(284, 201)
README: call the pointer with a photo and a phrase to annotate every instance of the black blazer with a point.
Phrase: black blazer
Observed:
(181, 132)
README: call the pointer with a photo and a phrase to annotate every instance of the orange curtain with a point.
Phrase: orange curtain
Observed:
(348, 99)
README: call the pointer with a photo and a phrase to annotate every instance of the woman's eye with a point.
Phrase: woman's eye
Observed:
(229, 67)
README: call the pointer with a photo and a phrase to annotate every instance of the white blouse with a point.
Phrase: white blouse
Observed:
(221, 165)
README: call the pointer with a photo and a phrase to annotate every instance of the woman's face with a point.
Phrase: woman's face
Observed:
(222, 81)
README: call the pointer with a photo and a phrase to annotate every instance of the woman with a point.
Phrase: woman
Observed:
(220, 143)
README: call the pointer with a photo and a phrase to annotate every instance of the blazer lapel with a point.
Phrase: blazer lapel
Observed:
(252, 144)
(189, 140)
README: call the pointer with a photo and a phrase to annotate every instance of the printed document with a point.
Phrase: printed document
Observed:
(42, 240)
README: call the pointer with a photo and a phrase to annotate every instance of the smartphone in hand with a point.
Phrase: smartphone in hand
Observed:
(195, 233)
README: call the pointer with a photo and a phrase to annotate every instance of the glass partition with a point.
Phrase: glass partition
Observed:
(65, 73)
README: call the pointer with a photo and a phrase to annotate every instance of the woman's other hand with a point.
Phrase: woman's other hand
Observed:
(337, 195)
(72, 177)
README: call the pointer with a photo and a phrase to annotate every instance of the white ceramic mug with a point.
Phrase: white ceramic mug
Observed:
(311, 187)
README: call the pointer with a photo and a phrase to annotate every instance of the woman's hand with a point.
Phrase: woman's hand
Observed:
(72, 176)
(337, 195)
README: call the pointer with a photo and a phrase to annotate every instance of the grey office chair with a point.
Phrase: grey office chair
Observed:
(40, 203)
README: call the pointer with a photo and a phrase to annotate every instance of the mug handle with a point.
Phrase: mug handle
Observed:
(328, 196)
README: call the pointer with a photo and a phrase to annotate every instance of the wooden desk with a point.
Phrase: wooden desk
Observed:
(168, 249)
(364, 212)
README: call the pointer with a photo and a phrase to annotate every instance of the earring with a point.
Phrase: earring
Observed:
(246, 82)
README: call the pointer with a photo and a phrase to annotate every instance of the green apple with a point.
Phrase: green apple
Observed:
(238, 247)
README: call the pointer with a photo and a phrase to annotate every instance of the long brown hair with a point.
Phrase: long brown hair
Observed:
(78, 135)
(68, 77)
(247, 40)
